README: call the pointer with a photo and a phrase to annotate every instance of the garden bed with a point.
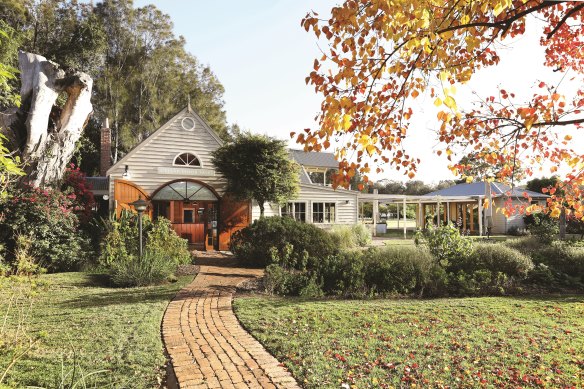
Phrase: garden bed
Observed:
(496, 341)
(91, 328)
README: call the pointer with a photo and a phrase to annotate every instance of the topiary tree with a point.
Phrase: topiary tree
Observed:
(258, 168)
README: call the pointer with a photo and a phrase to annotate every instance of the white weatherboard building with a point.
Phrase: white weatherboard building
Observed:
(172, 170)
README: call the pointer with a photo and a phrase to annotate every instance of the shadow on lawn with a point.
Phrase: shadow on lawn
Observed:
(118, 296)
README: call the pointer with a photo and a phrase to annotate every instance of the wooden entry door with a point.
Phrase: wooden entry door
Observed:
(196, 222)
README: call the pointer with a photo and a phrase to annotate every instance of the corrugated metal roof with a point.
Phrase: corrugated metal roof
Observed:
(315, 159)
(478, 189)
(98, 183)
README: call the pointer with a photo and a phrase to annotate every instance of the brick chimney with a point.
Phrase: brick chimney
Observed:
(105, 160)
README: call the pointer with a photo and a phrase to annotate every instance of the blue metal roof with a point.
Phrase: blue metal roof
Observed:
(478, 189)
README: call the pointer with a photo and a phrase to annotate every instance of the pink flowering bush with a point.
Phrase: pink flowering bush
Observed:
(78, 190)
(45, 216)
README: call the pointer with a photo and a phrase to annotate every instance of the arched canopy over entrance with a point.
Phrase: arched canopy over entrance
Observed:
(192, 208)
(185, 191)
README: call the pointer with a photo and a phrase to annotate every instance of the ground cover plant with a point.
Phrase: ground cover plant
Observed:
(468, 342)
(89, 328)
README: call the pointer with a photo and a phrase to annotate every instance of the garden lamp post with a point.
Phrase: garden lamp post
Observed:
(140, 206)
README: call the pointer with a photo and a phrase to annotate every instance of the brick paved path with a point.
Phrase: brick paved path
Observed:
(207, 346)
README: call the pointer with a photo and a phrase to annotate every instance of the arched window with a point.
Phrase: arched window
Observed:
(187, 159)
(186, 191)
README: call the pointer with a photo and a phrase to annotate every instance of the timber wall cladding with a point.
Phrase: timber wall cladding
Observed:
(233, 216)
(126, 192)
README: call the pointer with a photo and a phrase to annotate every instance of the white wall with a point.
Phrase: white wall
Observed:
(150, 165)
(345, 204)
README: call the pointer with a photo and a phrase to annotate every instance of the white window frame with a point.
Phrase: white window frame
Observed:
(294, 210)
(324, 203)
(187, 166)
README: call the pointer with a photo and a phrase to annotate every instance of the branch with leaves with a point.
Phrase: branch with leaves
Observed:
(382, 56)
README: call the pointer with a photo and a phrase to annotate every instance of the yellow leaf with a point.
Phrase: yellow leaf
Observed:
(555, 212)
(346, 121)
(498, 9)
(438, 102)
(469, 179)
(465, 19)
(568, 138)
(529, 121)
(450, 102)
(415, 93)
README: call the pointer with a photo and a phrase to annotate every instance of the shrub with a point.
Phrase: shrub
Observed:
(75, 185)
(255, 244)
(479, 283)
(347, 237)
(516, 231)
(544, 227)
(362, 235)
(164, 250)
(496, 258)
(289, 282)
(343, 274)
(562, 258)
(45, 216)
(121, 238)
(343, 236)
(162, 239)
(152, 268)
(445, 243)
(401, 270)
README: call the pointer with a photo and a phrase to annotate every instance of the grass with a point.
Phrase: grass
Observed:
(471, 342)
(90, 328)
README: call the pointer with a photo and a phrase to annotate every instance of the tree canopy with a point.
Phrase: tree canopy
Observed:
(143, 74)
(258, 167)
(383, 54)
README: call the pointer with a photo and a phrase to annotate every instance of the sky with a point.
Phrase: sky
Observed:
(261, 55)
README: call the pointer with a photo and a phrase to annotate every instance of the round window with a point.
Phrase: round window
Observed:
(188, 124)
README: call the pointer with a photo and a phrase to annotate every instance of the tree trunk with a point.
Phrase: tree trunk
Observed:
(261, 205)
(51, 135)
(563, 224)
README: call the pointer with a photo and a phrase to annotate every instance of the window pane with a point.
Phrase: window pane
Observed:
(185, 190)
(188, 216)
(187, 159)
(300, 212)
(318, 212)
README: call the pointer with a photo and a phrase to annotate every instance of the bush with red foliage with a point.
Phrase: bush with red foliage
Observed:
(78, 190)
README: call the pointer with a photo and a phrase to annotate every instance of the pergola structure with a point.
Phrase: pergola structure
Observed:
(467, 211)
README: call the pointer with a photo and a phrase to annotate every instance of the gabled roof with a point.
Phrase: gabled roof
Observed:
(161, 129)
(478, 189)
(314, 159)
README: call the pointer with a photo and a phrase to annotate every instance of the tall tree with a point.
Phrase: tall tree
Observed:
(10, 168)
(382, 55)
(143, 74)
(542, 185)
(258, 167)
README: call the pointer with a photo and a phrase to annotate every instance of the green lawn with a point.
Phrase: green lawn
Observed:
(492, 342)
(90, 328)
